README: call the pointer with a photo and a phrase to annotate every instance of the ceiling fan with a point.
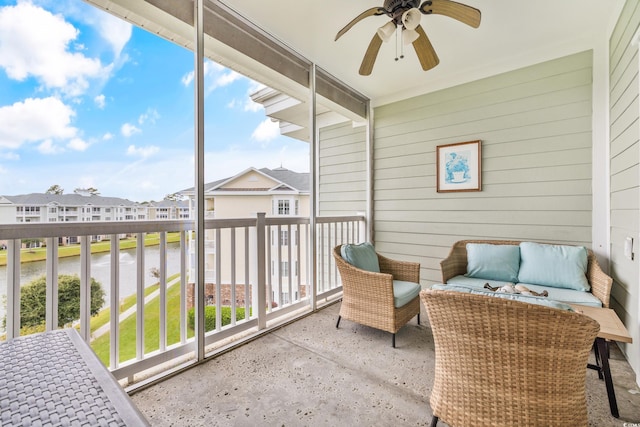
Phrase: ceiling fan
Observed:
(405, 15)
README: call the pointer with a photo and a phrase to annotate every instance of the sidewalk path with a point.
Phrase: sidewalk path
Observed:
(131, 310)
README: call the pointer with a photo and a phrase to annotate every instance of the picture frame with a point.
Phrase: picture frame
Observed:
(458, 167)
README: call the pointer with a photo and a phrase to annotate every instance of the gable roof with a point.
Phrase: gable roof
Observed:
(286, 180)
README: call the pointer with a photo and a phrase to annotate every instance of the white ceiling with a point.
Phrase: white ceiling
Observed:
(512, 34)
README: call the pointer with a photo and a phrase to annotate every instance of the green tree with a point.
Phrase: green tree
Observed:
(174, 197)
(55, 189)
(34, 295)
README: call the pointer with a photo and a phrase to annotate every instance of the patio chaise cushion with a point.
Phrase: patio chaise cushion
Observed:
(545, 301)
(362, 256)
(568, 296)
(404, 292)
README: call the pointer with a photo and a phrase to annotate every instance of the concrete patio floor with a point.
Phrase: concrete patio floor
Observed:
(309, 373)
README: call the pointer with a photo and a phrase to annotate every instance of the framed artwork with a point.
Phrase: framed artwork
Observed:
(458, 167)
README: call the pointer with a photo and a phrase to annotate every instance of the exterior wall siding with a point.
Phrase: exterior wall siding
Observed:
(343, 170)
(535, 125)
(625, 174)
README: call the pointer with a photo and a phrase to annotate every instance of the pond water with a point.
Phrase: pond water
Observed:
(100, 270)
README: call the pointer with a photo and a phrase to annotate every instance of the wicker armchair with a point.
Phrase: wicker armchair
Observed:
(456, 263)
(500, 362)
(367, 298)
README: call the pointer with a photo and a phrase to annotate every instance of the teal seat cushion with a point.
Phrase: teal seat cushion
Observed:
(362, 256)
(497, 262)
(404, 292)
(557, 266)
(544, 301)
(569, 296)
(475, 283)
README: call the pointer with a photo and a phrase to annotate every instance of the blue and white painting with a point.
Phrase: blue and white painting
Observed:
(457, 167)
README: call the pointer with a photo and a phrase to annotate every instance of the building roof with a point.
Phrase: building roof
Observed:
(288, 181)
(43, 199)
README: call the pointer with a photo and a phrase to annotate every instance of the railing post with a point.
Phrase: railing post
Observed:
(260, 284)
(163, 291)
(85, 288)
(114, 321)
(13, 288)
(140, 296)
(51, 313)
(183, 286)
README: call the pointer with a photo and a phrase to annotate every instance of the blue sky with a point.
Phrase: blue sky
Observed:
(88, 100)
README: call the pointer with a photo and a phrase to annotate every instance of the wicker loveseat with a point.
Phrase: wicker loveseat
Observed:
(500, 362)
(454, 271)
(371, 298)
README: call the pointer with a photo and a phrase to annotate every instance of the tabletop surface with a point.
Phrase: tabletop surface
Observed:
(54, 378)
(611, 327)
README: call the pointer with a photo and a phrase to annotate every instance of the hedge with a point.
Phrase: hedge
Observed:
(210, 317)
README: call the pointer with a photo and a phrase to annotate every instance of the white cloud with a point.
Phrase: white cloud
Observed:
(107, 136)
(143, 152)
(48, 147)
(78, 144)
(117, 32)
(215, 76)
(151, 115)
(9, 156)
(128, 130)
(266, 131)
(99, 101)
(35, 120)
(35, 43)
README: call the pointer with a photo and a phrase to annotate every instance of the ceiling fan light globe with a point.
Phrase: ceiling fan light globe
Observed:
(409, 36)
(411, 18)
(386, 31)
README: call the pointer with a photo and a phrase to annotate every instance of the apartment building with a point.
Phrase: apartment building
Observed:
(278, 192)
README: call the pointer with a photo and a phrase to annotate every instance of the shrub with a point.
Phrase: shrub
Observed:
(33, 300)
(210, 317)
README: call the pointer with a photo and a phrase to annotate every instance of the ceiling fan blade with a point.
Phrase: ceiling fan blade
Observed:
(370, 55)
(369, 12)
(426, 54)
(458, 11)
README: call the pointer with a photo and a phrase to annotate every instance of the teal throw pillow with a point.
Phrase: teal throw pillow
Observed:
(362, 256)
(558, 266)
(493, 262)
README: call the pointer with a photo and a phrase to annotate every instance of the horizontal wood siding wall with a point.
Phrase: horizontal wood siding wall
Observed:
(535, 127)
(625, 173)
(343, 170)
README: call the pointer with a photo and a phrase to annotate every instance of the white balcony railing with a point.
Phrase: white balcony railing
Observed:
(287, 286)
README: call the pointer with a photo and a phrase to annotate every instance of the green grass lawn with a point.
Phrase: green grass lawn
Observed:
(40, 254)
(105, 315)
(101, 345)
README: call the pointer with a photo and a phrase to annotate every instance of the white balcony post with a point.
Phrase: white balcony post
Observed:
(85, 288)
(259, 276)
(13, 288)
(183, 286)
(114, 303)
(314, 149)
(51, 316)
(140, 296)
(163, 291)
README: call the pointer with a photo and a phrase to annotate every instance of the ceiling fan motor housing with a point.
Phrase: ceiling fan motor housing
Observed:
(396, 8)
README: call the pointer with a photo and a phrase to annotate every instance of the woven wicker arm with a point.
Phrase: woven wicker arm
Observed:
(367, 298)
(506, 363)
(400, 270)
(600, 282)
